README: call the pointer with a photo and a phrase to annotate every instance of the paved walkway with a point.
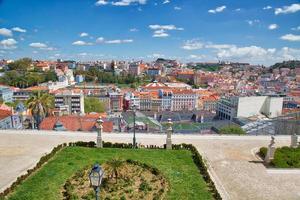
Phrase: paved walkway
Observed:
(232, 163)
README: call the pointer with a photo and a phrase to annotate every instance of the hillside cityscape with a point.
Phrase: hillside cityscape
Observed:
(198, 97)
(149, 100)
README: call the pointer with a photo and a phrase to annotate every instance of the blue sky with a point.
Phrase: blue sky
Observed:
(255, 31)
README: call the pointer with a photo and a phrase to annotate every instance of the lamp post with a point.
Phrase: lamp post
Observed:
(99, 132)
(169, 133)
(95, 177)
(134, 115)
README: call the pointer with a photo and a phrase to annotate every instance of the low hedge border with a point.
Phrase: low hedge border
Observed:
(197, 158)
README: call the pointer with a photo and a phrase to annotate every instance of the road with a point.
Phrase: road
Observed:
(235, 169)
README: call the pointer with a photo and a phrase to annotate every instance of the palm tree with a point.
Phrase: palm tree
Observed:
(39, 105)
(114, 167)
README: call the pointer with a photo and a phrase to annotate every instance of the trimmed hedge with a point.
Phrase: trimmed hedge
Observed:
(197, 158)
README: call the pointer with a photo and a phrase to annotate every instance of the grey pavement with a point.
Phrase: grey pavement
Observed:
(235, 169)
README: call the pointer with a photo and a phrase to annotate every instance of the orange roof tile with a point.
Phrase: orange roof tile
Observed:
(75, 123)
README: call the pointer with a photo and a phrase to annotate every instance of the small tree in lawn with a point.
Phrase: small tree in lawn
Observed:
(115, 166)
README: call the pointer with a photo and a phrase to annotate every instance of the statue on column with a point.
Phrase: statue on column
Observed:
(270, 151)
(169, 133)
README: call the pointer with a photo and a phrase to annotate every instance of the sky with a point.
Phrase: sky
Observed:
(254, 31)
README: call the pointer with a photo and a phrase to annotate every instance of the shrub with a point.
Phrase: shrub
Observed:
(286, 157)
(232, 129)
(263, 152)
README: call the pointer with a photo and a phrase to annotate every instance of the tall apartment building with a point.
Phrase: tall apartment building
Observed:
(134, 69)
(229, 108)
(70, 102)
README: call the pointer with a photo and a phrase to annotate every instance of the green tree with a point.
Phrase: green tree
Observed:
(115, 166)
(22, 64)
(92, 104)
(232, 129)
(40, 105)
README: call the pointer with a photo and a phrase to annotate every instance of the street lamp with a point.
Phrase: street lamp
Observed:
(134, 115)
(95, 177)
(99, 132)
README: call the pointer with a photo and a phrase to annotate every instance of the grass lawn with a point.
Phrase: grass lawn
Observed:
(176, 165)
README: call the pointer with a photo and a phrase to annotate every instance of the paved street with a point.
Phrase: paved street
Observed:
(231, 160)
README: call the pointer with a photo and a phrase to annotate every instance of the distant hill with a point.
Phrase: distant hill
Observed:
(292, 64)
(206, 67)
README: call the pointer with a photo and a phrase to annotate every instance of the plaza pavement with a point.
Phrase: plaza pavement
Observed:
(236, 171)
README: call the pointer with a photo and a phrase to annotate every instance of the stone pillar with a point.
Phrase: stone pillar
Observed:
(99, 132)
(294, 141)
(271, 151)
(169, 134)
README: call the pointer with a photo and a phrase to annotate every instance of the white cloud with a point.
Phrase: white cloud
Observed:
(83, 34)
(166, 1)
(218, 46)
(267, 7)
(252, 22)
(8, 43)
(6, 32)
(128, 2)
(156, 55)
(287, 53)
(238, 9)
(193, 45)
(177, 8)
(38, 45)
(81, 43)
(248, 52)
(118, 41)
(160, 33)
(273, 26)
(100, 40)
(288, 9)
(296, 28)
(217, 10)
(291, 37)
(197, 57)
(82, 54)
(133, 30)
(161, 30)
(165, 27)
(101, 3)
(18, 29)
(42, 46)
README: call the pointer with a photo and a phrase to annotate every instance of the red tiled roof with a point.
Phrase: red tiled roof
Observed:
(5, 113)
(75, 123)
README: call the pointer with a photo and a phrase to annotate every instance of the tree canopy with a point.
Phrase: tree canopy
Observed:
(22, 64)
(232, 129)
(92, 104)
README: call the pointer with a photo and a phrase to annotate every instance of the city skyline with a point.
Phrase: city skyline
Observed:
(263, 32)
